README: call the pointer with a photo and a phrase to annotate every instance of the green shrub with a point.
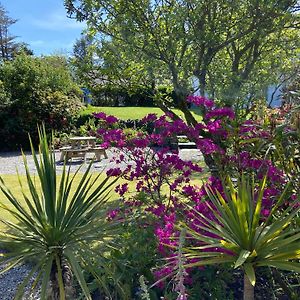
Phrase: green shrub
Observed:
(34, 91)
(108, 95)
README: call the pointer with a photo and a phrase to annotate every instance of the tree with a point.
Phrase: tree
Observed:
(82, 60)
(21, 48)
(182, 39)
(101, 66)
(179, 40)
(8, 45)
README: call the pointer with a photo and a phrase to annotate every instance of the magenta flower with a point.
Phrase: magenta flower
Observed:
(111, 119)
(108, 119)
(100, 115)
(201, 101)
(121, 189)
(220, 113)
(112, 214)
(207, 146)
(149, 118)
(114, 172)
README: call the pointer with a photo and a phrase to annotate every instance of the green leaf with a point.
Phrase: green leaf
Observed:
(46, 277)
(283, 265)
(244, 254)
(249, 270)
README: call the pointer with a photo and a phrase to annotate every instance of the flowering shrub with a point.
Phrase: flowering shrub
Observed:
(149, 159)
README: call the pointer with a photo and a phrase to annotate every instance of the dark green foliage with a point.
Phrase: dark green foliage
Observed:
(135, 255)
(34, 91)
(235, 49)
(213, 282)
(118, 96)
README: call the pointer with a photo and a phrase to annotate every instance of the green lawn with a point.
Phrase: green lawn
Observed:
(133, 113)
(12, 183)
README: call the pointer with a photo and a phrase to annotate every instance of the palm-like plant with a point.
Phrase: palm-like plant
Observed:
(56, 226)
(242, 237)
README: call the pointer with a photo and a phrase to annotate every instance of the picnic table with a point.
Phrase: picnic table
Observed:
(80, 146)
(78, 141)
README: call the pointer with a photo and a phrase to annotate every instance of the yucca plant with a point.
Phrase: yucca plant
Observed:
(57, 225)
(243, 237)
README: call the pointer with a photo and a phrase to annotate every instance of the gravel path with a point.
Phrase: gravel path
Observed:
(10, 280)
(9, 161)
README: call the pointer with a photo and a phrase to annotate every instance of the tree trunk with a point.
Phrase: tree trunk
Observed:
(211, 164)
(232, 91)
(248, 289)
(67, 281)
(54, 287)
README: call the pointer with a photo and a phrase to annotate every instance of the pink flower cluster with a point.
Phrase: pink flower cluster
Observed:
(220, 113)
(250, 130)
(159, 172)
(107, 118)
(261, 167)
(201, 101)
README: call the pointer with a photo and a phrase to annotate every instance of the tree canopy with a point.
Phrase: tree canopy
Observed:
(223, 44)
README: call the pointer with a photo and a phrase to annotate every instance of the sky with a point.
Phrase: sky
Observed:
(43, 25)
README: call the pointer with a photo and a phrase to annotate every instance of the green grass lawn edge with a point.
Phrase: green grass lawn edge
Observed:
(133, 112)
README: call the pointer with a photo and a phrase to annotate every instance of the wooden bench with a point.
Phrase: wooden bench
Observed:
(69, 153)
(98, 151)
(187, 145)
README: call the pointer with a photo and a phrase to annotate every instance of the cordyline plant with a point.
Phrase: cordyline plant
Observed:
(241, 235)
(55, 226)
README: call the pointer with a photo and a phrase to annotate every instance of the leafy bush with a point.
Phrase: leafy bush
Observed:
(108, 95)
(136, 252)
(38, 90)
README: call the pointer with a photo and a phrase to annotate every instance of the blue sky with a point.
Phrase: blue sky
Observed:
(43, 24)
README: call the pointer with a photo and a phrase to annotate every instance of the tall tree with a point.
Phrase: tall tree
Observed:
(83, 59)
(182, 39)
(8, 45)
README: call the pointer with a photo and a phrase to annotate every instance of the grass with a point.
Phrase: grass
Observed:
(12, 183)
(134, 113)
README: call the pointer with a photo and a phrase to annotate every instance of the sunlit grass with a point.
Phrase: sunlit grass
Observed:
(134, 113)
(12, 182)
